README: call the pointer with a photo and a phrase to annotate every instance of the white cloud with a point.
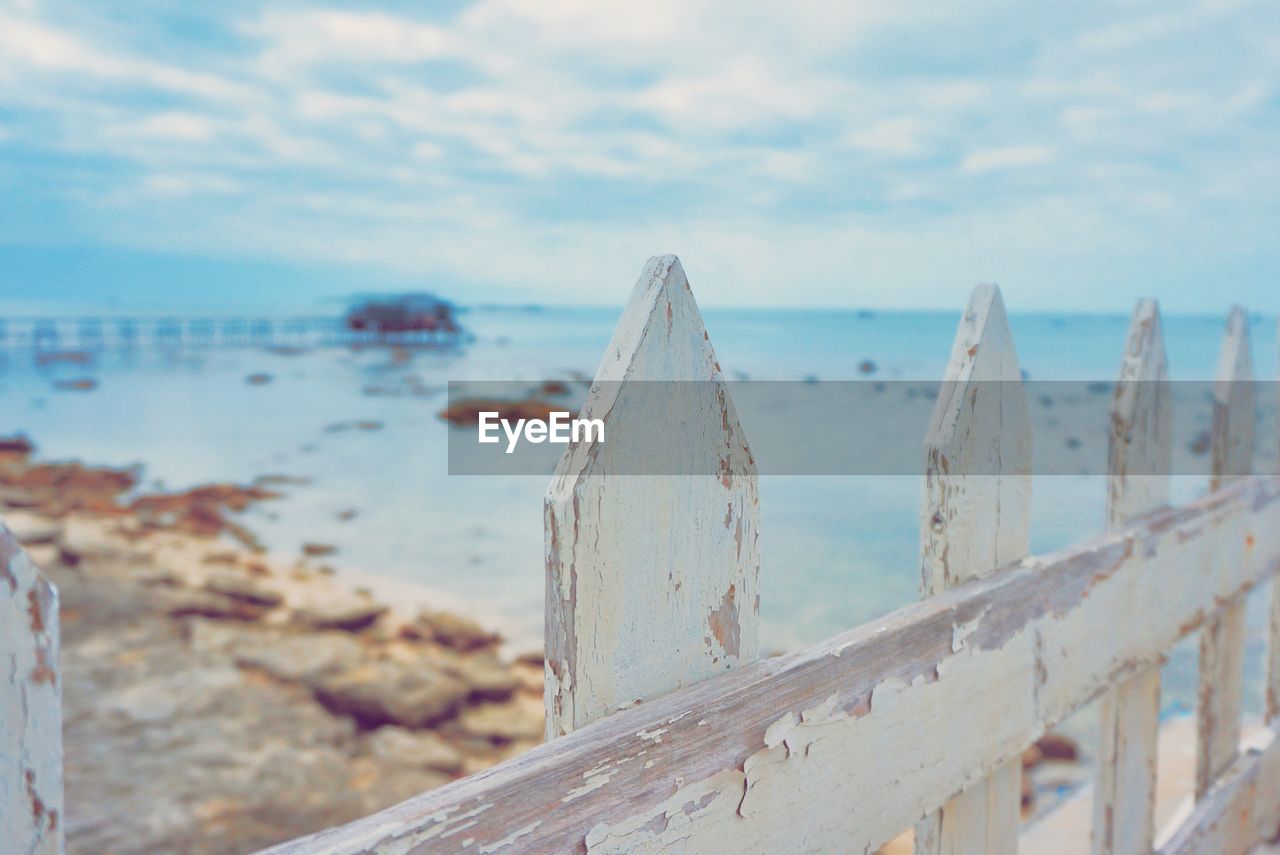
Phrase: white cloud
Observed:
(298, 40)
(1087, 122)
(1129, 33)
(953, 94)
(427, 150)
(742, 93)
(1166, 102)
(749, 135)
(45, 48)
(1009, 157)
(180, 185)
(1136, 32)
(896, 136)
(176, 126)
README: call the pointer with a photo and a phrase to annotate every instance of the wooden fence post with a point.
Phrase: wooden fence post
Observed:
(652, 580)
(1140, 453)
(1222, 641)
(30, 710)
(976, 517)
(1273, 652)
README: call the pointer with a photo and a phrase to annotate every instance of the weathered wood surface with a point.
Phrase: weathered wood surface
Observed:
(972, 524)
(30, 712)
(1241, 809)
(1273, 649)
(1140, 442)
(652, 582)
(1140, 450)
(1221, 688)
(844, 744)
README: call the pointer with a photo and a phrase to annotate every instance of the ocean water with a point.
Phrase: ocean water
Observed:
(835, 551)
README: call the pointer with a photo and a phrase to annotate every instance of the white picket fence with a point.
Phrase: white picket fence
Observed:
(669, 733)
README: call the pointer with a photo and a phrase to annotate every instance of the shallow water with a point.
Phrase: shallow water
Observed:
(836, 551)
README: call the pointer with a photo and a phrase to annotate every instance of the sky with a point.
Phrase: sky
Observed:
(814, 154)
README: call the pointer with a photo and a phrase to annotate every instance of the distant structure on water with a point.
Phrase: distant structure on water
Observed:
(411, 320)
(403, 313)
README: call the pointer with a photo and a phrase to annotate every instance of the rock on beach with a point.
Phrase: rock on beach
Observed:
(456, 631)
(349, 614)
(393, 693)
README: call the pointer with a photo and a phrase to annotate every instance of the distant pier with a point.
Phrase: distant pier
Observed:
(121, 333)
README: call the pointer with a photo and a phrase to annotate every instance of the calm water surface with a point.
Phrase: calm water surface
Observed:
(835, 551)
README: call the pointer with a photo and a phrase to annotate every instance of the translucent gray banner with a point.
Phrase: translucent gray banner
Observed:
(855, 427)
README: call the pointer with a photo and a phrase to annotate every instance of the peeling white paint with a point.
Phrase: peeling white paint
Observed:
(1221, 696)
(31, 811)
(671, 826)
(510, 839)
(973, 521)
(1139, 459)
(593, 779)
(779, 729)
(961, 632)
(644, 598)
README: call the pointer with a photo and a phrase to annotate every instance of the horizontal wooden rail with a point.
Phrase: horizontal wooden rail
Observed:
(1241, 809)
(845, 744)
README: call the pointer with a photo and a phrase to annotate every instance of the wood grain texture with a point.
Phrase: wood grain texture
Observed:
(1140, 441)
(1221, 687)
(1242, 808)
(1139, 447)
(973, 523)
(30, 706)
(652, 581)
(844, 744)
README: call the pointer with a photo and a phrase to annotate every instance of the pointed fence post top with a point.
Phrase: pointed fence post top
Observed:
(652, 582)
(984, 364)
(981, 407)
(1140, 449)
(1235, 360)
(983, 347)
(661, 335)
(1233, 403)
(1144, 352)
(660, 339)
(978, 467)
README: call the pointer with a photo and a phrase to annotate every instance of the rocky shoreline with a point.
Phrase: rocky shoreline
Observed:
(216, 700)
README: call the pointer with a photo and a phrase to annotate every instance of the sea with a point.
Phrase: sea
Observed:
(357, 432)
